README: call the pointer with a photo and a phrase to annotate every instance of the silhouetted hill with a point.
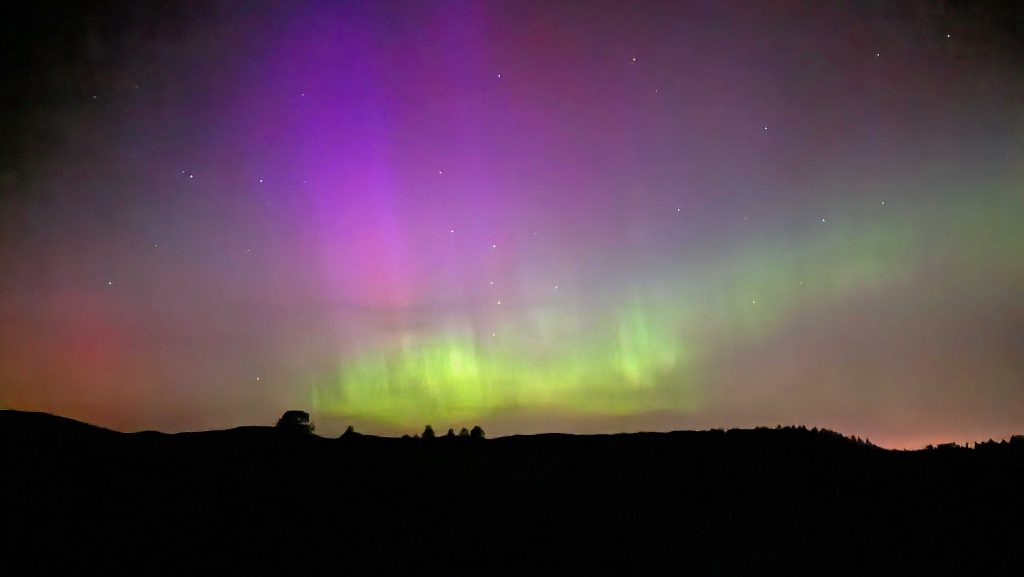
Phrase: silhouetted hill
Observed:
(24, 426)
(258, 499)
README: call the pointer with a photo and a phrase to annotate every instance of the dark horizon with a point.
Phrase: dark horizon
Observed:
(442, 432)
(270, 499)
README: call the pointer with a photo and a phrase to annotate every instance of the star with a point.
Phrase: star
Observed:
(257, 378)
(261, 181)
(878, 54)
(634, 59)
(883, 202)
(499, 302)
(440, 172)
(110, 283)
(499, 76)
(451, 231)
(822, 220)
(492, 283)
(191, 176)
(754, 302)
(766, 128)
(556, 287)
(494, 246)
(947, 35)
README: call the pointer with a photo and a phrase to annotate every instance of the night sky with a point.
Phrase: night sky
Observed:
(532, 216)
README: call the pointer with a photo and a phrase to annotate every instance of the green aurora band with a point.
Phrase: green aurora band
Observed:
(647, 351)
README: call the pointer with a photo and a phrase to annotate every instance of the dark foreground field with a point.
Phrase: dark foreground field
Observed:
(741, 502)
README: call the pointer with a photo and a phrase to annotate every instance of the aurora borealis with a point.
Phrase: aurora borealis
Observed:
(532, 216)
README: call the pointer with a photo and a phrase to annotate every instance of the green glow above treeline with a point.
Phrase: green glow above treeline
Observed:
(647, 351)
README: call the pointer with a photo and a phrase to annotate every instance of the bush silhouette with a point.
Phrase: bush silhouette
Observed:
(451, 433)
(428, 432)
(296, 422)
(477, 432)
(464, 432)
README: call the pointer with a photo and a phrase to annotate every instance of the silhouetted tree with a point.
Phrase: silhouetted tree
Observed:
(296, 422)
(428, 432)
(464, 432)
(477, 432)
(349, 431)
(451, 433)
